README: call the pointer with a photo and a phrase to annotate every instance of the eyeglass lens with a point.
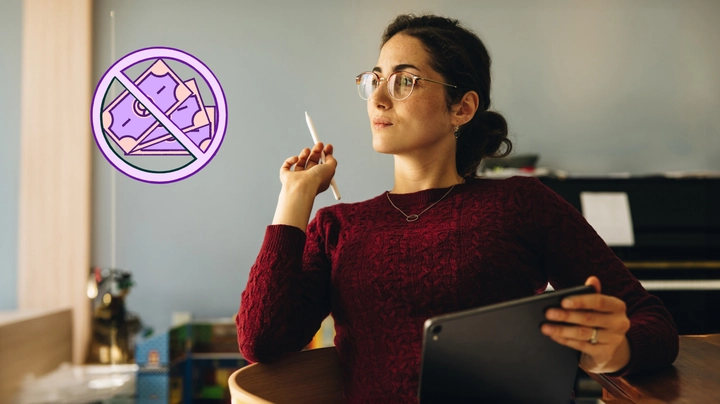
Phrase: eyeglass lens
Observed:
(399, 85)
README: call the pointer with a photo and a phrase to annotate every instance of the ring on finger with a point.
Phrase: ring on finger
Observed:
(594, 337)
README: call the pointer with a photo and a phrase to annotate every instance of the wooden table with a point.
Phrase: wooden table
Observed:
(693, 378)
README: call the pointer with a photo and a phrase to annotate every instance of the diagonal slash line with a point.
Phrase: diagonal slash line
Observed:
(159, 115)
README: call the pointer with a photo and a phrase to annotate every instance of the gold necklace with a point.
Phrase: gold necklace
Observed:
(414, 217)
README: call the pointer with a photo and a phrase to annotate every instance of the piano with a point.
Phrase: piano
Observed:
(676, 254)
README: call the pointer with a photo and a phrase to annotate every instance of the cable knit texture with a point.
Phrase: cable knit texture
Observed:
(381, 277)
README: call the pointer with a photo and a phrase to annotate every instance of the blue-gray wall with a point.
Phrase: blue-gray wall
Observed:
(591, 86)
(10, 45)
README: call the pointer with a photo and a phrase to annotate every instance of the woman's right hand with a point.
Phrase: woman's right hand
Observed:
(303, 178)
(305, 171)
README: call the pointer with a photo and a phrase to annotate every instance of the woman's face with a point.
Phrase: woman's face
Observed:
(420, 123)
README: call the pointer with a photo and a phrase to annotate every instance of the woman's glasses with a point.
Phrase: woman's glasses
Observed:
(399, 84)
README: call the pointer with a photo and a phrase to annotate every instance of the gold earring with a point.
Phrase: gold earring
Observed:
(457, 132)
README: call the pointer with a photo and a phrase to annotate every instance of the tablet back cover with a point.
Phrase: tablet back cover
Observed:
(498, 354)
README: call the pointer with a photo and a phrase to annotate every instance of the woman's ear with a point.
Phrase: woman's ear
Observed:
(465, 110)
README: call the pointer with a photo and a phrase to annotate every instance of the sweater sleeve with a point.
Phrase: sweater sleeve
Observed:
(572, 251)
(287, 294)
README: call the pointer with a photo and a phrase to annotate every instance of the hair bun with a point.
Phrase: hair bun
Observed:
(484, 136)
(496, 132)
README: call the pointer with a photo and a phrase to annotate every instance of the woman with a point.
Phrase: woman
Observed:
(440, 241)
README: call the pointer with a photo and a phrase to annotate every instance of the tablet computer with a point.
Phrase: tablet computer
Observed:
(497, 353)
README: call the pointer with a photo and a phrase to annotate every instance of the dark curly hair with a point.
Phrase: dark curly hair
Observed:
(462, 59)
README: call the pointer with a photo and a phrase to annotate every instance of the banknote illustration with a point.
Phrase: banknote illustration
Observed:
(190, 115)
(126, 120)
(201, 137)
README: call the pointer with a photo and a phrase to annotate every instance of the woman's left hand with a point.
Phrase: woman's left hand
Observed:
(609, 351)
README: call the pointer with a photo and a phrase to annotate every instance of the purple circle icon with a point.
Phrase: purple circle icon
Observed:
(160, 112)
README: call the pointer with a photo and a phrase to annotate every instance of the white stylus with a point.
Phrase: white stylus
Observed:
(310, 125)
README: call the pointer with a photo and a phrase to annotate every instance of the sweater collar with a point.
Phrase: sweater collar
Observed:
(427, 195)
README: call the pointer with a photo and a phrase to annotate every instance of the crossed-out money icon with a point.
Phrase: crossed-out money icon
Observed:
(158, 114)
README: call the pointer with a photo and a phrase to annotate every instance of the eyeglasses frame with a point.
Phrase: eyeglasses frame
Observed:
(381, 79)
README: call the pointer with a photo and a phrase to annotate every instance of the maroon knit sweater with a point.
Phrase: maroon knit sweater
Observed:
(381, 277)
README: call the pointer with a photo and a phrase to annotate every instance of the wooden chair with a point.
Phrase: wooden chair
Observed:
(311, 376)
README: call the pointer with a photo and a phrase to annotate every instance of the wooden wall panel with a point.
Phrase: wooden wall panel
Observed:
(55, 163)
